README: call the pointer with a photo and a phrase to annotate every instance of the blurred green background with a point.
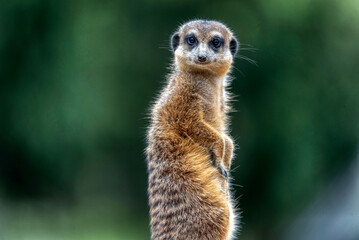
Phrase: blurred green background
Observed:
(78, 77)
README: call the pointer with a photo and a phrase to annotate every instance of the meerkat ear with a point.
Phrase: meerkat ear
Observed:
(233, 46)
(175, 39)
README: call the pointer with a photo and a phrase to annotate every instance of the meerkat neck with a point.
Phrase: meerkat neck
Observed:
(210, 87)
(213, 81)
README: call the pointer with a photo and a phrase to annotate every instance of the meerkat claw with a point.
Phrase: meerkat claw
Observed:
(223, 171)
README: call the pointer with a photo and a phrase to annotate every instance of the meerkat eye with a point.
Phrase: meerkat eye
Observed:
(191, 40)
(216, 42)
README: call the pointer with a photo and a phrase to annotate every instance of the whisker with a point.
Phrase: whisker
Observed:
(247, 59)
(245, 44)
(237, 69)
(249, 49)
(164, 47)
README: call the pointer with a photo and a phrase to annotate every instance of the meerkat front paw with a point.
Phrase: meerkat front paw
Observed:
(224, 172)
(218, 164)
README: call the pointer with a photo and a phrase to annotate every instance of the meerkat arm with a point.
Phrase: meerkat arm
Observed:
(228, 152)
(206, 136)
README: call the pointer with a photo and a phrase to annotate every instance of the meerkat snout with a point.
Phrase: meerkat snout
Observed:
(202, 58)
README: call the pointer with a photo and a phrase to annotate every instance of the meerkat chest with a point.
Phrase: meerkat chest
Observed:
(213, 112)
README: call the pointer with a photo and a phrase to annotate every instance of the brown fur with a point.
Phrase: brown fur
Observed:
(188, 144)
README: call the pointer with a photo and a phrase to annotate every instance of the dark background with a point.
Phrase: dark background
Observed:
(77, 80)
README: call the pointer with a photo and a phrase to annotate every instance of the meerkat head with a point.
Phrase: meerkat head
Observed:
(204, 46)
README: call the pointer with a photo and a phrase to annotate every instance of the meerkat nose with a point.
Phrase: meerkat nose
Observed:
(202, 58)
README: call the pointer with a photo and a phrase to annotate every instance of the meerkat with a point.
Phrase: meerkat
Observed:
(189, 148)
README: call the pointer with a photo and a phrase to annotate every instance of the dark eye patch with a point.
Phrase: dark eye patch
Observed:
(216, 43)
(191, 40)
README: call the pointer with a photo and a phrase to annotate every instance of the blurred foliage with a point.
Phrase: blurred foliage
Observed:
(77, 79)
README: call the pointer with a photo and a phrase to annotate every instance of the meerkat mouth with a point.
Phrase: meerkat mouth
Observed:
(202, 63)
